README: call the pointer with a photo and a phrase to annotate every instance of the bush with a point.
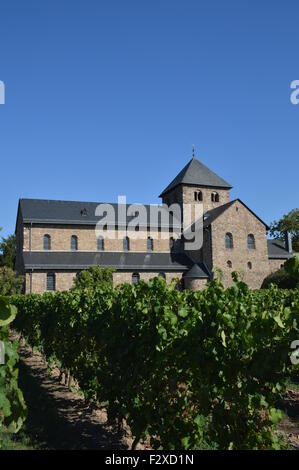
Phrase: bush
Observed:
(292, 267)
(10, 283)
(94, 277)
(281, 279)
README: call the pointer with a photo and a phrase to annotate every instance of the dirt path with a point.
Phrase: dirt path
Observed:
(59, 418)
(289, 425)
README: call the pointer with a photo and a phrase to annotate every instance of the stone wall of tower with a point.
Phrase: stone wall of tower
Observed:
(185, 194)
(190, 191)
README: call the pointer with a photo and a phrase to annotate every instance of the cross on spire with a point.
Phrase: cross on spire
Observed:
(193, 151)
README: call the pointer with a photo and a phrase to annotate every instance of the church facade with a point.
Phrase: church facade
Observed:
(58, 239)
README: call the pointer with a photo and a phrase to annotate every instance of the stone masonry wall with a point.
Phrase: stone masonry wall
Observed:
(275, 264)
(64, 280)
(188, 196)
(87, 240)
(195, 284)
(19, 266)
(240, 222)
(185, 194)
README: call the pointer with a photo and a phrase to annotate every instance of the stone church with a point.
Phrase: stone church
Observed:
(57, 239)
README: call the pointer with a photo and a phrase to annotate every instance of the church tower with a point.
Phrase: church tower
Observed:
(196, 184)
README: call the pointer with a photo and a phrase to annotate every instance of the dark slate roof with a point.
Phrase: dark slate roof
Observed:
(213, 214)
(77, 260)
(198, 271)
(45, 211)
(277, 250)
(197, 174)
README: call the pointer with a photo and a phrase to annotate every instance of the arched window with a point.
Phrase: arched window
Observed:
(229, 264)
(100, 244)
(251, 242)
(135, 278)
(150, 244)
(47, 242)
(249, 264)
(171, 243)
(126, 244)
(74, 243)
(197, 196)
(50, 281)
(229, 242)
(162, 275)
(215, 197)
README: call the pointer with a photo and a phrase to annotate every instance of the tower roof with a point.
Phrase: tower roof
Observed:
(196, 173)
(198, 271)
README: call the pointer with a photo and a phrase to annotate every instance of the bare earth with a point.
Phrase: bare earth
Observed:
(59, 418)
(289, 425)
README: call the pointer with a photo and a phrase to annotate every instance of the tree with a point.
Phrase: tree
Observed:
(95, 276)
(10, 283)
(288, 223)
(8, 248)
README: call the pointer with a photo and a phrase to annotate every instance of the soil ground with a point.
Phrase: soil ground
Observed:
(59, 418)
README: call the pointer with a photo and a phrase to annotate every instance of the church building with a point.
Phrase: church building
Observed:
(57, 239)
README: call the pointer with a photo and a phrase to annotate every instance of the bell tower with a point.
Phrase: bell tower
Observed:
(196, 185)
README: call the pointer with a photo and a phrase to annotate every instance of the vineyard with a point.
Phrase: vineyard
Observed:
(187, 370)
(12, 405)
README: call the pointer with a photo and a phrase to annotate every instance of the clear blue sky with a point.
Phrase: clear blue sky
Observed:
(106, 97)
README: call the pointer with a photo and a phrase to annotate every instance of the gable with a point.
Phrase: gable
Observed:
(214, 214)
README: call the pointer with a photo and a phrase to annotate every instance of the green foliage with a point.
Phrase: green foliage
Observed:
(8, 251)
(292, 267)
(12, 405)
(281, 278)
(190, 369)
(288, 223)
(10, 283)
(94, 277)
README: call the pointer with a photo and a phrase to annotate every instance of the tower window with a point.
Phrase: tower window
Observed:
(150, 244)
(162, 275)
(251, 242)
(47, 242)
(126, 244)
(171, 243)
(229, 241)
(214, 197)
(74, 243)
(135, 278)
(100, 244)
(229, 264)
(50, 282)
(249, 264)
(197, 196)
